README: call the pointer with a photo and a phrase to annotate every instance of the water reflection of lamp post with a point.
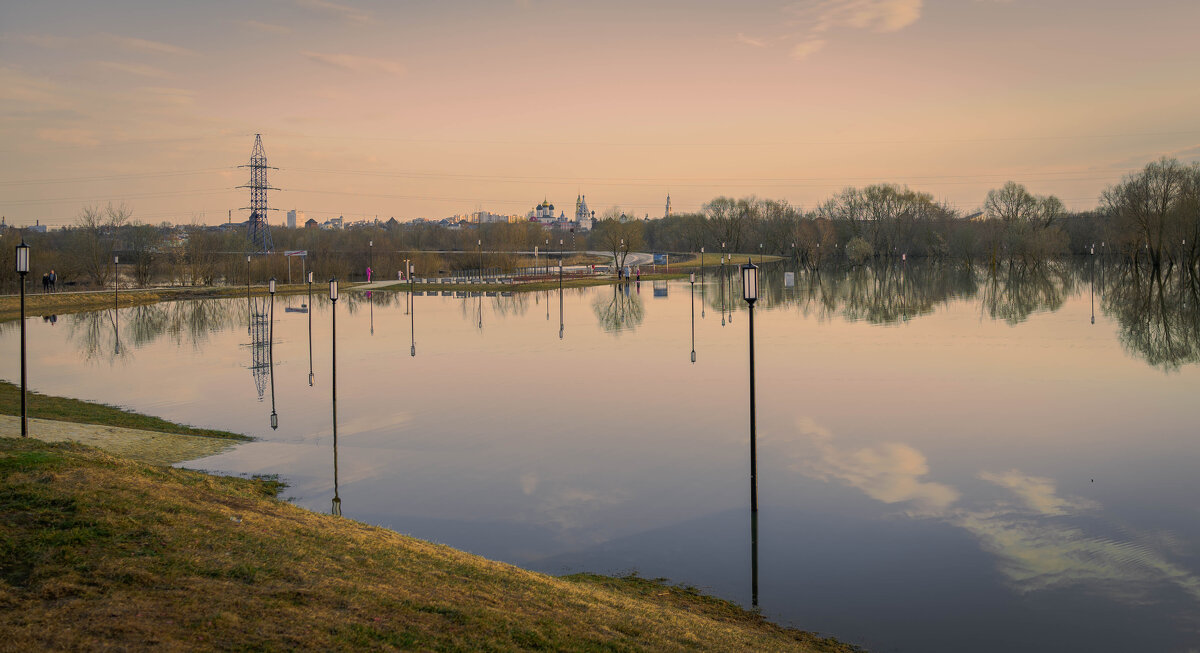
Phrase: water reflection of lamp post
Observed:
(412, 310)
(750, 294)
(693, 280)
(1092, 283)
(271, 352)
(333, 297)
(722, 287)
(310, 312)
(560, 312)
(22, 270)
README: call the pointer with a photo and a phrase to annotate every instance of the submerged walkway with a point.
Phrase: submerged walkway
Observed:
(150, 447)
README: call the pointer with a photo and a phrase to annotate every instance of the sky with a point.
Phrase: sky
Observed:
(431, 109)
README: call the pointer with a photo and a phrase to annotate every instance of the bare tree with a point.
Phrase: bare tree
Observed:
(94, 238)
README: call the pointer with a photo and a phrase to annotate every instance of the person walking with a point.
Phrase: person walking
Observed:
(368, 274)
(45, 282)
(53, 280)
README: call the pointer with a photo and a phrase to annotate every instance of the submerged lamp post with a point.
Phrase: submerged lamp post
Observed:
(310, 312)
(750, 294)
(412, 309)
(693, 280)
(271, 352)
(23, 269)
(370, 254)
(333, 297)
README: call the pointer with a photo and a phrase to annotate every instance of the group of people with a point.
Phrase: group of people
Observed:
(624, 273)
(49, 281)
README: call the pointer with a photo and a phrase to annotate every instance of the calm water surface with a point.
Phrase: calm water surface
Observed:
(948, 460)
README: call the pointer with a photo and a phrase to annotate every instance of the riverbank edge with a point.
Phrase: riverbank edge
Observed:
(78, 411)
(130, 554)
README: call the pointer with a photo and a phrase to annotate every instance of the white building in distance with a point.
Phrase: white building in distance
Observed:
(294, 217)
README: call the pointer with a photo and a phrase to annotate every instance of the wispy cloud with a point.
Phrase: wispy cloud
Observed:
(813, 22)
(141, 70)
(1037, 493)
(758, 43)
(132, 44)
(67, 136)
(256, 26)
(345, 11)
(47, 41)
(356, 63)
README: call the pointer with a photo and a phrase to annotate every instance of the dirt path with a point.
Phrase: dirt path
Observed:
(146, 446)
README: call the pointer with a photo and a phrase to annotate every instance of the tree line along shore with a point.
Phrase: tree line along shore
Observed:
(1151, 218)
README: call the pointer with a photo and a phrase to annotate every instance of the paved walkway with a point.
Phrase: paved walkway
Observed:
(146, 446)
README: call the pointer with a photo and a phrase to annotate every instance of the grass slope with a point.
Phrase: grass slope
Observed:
(82, 412)
(100, 552)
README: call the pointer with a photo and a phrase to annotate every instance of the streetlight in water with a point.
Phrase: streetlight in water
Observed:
(271, 352)
(750, 294)
(333, 297)
(23, 269)
(310, 312)
(693, 280)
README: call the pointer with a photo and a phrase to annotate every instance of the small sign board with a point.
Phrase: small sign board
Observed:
(296, 252)
(789, 279)
(660, 259)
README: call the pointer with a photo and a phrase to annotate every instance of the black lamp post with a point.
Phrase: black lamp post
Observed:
(271, 352)
(480, 243)
(560, 263)
(115, 258)
(701, 262)
(333, 297)
(693, 280)
(370, 255)
(412, 310)
(22, 270)
(750, 294)
(310, 312)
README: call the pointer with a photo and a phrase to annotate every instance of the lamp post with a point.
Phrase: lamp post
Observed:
(412, 310)
(701, 262)
(480, 260)
(560, 263)
(310, 312)
(760, 253)
(693, 280)
(22, 270)
(115, 258)
(333, 297)
(750, 294)
(370, 255)
(271, 351)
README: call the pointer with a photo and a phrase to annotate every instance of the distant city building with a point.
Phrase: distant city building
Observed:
(310, 224)
(667, 212)
(294, 217)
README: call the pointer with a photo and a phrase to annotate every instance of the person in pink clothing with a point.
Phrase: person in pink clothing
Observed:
(368, 275)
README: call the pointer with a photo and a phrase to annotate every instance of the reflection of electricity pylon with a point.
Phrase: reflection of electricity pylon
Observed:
(260, 363)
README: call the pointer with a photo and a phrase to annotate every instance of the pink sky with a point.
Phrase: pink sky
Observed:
(430, 109)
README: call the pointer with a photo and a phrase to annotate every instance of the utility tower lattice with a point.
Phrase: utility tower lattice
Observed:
(260, 357)
(258, 232)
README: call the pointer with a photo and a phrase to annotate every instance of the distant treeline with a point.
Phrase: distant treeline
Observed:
(1150, 218)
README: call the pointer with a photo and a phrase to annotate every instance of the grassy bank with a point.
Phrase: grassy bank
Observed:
(101, 552)
(82, 412)
(38, 304)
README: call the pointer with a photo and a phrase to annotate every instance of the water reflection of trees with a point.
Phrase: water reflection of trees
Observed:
(619, 309)
(1013, 293)
(1158, 313)
(95, 334)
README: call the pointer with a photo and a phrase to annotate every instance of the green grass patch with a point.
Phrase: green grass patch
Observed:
(64, 409)
(132, 556)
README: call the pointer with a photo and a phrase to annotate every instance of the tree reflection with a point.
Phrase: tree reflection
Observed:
(618, 310)
(1158, 314)
(1017, 292)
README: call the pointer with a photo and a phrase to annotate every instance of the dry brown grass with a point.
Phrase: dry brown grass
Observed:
(98, 552)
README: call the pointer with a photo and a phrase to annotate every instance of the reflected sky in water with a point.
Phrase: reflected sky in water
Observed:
(942, 452)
